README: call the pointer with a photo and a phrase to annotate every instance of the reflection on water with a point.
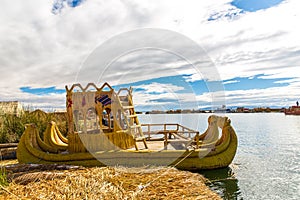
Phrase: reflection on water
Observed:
(223, 182)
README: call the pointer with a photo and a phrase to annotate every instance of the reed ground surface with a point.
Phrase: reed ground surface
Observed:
(65, 182)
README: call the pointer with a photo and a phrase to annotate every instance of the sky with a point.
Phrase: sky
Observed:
(175, 54)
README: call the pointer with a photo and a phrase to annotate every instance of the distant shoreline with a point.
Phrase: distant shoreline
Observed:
(237, 110)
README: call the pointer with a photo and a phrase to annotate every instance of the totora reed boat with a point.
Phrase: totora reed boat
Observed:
(294, 110)
(104, 130)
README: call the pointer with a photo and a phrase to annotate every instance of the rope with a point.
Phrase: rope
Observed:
(184, 157)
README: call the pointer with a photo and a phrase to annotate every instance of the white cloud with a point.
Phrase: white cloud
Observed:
(40, 49)
(263, 42)
(159, 88)
(164, 96)
(270, 97)
(230, 82)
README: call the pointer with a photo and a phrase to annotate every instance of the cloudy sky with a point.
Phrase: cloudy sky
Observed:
(176, 54)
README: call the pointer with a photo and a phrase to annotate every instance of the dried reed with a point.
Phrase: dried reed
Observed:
(109, 183)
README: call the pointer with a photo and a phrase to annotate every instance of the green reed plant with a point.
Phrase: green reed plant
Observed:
(13, 126)
(3, 178)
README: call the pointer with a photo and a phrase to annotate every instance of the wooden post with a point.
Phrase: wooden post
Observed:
(69, 105)
(149, 131)
(197, 140)
(166, 140)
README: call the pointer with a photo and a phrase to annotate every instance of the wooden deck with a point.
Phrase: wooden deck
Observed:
(161, 145)
(168, 137)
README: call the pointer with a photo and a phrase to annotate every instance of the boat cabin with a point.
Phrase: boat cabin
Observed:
(102, 119)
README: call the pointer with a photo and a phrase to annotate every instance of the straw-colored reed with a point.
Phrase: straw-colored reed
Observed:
(109, 183)
(98, 142)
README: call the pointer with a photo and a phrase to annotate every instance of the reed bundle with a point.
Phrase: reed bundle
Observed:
(109, 183)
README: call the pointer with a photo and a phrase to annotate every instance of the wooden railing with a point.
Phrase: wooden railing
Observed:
(168, 130)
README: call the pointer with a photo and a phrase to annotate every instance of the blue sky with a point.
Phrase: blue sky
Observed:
(255, 5)
(253, 47)
(42, 91)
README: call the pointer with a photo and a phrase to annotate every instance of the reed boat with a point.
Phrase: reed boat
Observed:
(104, 130)
(293, 110)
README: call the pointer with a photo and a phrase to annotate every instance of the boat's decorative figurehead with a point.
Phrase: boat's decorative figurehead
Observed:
(219, 121)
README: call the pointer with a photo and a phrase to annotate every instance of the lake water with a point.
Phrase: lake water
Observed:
(267, 163)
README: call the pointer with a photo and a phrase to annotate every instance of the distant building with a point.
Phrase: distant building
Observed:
(11, 107)
(155, 112)
(186, 111)
(242, 110)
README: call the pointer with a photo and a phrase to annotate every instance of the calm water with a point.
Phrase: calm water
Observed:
(267, 163)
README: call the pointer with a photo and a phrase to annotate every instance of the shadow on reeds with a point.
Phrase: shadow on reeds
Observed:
(223, 182)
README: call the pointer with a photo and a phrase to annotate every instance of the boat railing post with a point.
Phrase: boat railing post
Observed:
(197, 140)
(166, 140)
(149, 131)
